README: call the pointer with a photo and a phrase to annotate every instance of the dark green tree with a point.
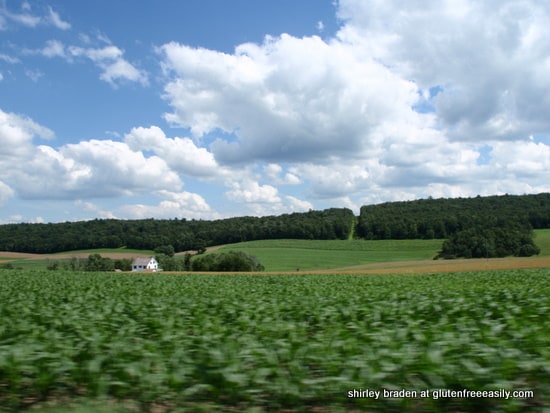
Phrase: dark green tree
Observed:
(167, 250)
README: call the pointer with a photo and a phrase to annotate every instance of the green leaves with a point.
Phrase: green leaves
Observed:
(274, 342)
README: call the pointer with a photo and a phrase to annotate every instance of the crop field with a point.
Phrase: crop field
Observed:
(211, 343)
(542, 239)
(313, 255)
(291, 254)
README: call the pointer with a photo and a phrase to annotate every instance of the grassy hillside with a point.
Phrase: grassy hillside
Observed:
(290, 255)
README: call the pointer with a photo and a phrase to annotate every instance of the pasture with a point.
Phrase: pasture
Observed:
(290, 255)
(98, 342)
(310, 255)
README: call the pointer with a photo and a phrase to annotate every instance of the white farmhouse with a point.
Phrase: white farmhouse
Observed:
(145, 264)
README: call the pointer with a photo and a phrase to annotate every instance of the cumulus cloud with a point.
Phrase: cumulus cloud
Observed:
(17, 133)
(254, 198)
(406, 101)
(181, 154)
(384, 110)
(332, 183)
(175, 204)
(94, 168)
(250, 191)
(275, 171)
(527, 160)
(296, 204)
(489, 58)
(287, 99)
(95, 210)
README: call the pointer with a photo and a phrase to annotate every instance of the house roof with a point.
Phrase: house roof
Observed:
(142, 260)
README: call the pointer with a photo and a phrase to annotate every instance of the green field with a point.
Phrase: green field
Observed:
(191, 343)
(542, 240)
(305, 255)
(290, 254)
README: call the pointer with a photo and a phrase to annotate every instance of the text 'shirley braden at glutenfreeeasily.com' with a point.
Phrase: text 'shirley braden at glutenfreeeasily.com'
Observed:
(439, 394)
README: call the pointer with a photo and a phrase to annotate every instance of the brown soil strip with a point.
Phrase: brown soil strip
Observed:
(403, 267)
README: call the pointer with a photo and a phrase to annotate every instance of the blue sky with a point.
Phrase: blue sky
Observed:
(209, 109)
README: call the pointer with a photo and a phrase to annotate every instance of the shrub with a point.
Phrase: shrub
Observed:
(227, 261)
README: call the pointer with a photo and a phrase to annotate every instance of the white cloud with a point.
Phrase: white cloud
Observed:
(112, 168)
(260, 200)
(122, 69)
(523, 160)
(408, 100)
(17, 133)
(274, 171)
(250, 191)
(384, 111)
(334, 181)
(181, 154)
(95, 210)
(288, 99)
(108, 58)
(95, 168)
(26, 18)
(114, 66)
(34, 75)
(18, 218)
(490, 58)
(175, 204)
(55, 20)
(5, 193)
(53, 48)
(296, 204)
(8, 59)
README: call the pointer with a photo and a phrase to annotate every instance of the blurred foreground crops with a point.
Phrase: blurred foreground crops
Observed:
(167, 342)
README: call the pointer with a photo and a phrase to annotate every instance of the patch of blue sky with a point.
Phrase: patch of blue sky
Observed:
(484, 154)
(545, 139)
(426, 102)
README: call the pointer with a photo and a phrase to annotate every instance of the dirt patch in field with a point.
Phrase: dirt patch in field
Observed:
(16, 255)
(403, 267)
(430, 266)
(61, 256)
(25, 256)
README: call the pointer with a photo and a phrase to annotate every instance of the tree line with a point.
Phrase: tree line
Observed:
(473, 227)
(181, 234)
(493, 226)
(441, 218)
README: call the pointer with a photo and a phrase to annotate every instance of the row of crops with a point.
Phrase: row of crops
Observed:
(169, 342)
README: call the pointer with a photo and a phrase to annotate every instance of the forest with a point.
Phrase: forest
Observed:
(181, 234)
(473, 227)
(493, 226)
